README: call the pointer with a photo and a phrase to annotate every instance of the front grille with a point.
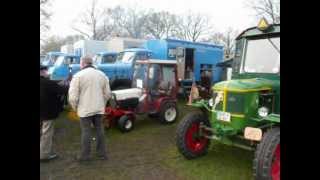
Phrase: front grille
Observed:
(235, 103)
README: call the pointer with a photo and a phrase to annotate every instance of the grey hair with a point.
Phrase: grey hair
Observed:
(87, 60)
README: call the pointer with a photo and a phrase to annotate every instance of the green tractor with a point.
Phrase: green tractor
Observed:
(244, 111)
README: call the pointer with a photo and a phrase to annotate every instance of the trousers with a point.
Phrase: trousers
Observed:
(85, 124)
(46, 139)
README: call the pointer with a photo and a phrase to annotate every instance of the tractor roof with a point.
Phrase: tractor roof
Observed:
(254, 31)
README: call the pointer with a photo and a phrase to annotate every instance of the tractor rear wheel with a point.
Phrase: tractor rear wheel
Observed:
(266, 165)
(168, 113)
(189, 141)
(125, 124)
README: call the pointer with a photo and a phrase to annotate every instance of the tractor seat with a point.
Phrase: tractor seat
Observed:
(127, 98)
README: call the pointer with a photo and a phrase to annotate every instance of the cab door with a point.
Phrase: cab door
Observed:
(180, 56)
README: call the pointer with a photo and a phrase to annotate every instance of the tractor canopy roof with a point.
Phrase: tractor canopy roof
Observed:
(255, 31)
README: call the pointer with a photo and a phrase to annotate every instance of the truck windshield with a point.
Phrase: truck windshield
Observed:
(59, 61)
(262, 56)
(105, 59)
(126, 57)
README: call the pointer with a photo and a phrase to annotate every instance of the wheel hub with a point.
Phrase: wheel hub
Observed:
(170, 114)
(195, 142)
(128, 124)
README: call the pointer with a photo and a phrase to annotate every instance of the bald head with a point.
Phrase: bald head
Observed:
(85, 61)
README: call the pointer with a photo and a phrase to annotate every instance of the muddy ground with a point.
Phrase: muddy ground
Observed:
(148, 152)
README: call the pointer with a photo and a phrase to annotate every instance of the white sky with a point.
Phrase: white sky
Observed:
(223, 13)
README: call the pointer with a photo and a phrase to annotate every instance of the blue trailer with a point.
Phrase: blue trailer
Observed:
(197, 62)
(194, 59)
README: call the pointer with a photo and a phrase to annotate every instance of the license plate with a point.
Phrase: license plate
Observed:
(223, 116)
(254, 134)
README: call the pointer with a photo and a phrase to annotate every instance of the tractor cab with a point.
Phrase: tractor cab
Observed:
(153, 92)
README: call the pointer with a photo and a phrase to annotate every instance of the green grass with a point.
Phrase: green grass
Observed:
(147, 152)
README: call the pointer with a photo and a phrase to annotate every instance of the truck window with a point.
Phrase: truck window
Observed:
(108, 59)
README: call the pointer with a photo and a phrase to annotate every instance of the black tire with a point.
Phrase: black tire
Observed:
(181, 135)
(164, 109)
(123, 124)
(264, 154)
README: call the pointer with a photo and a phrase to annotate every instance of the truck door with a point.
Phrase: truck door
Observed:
(180, 56)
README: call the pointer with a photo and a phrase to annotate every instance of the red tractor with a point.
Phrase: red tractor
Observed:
(154, 91)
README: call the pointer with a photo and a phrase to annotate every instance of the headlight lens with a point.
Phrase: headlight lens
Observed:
(211, 102)
(263, 111)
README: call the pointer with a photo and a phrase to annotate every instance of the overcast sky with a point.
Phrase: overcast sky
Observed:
(223, 13)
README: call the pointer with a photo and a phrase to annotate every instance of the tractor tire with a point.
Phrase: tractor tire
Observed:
(168, 113)
(266, 165)
(125, 124)
(188, 141)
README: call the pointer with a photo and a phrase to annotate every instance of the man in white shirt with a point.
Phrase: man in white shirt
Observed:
(88, 94)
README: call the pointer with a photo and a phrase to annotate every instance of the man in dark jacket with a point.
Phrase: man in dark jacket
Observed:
(50, 107)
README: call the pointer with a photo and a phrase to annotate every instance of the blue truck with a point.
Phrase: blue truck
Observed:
(197, 62)
(50, 58)
(63, 66)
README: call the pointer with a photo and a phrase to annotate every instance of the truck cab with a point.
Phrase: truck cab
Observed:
(50, 58)
(64, 65)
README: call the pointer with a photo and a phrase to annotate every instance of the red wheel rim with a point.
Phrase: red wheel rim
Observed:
(275, 169)
(193, 141)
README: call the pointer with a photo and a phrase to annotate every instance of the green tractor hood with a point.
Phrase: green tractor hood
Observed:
(246, 85)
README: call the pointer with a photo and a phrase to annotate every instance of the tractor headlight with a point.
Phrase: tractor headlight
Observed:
(263, 111)
(211, 102)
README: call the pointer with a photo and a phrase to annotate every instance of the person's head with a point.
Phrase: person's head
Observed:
(85, 61)
(44, 71)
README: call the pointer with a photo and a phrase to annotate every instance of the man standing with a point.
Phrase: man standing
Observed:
(88, 94)
(50, 107)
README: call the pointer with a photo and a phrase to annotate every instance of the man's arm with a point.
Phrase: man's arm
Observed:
(107, 90)
(74, 92)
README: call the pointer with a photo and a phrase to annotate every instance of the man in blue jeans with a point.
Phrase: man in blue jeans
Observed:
(88, 94)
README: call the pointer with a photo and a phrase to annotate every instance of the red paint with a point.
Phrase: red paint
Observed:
(275, 168)
(194, 143)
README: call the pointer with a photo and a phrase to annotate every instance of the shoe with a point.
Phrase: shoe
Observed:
(51, 157)
(104, 158)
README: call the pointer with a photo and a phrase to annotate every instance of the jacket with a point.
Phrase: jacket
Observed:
(50, 99)
(89, 92)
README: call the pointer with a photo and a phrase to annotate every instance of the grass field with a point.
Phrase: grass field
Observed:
(148, 152)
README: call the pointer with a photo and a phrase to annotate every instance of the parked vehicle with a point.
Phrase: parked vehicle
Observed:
(89, 47)
(65, 65)
(153, 92)
(245, 111)
(51, 58)
(195, 61)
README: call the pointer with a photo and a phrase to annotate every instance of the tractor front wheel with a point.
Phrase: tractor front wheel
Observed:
(125, 124)
(266, 165)
(168, 113)
(190, 142)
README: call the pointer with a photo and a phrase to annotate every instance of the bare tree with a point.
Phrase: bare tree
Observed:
(160, 24)
(269, 9)
(192, 26)
(91, 19)
(227, 40)
(45, 15)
